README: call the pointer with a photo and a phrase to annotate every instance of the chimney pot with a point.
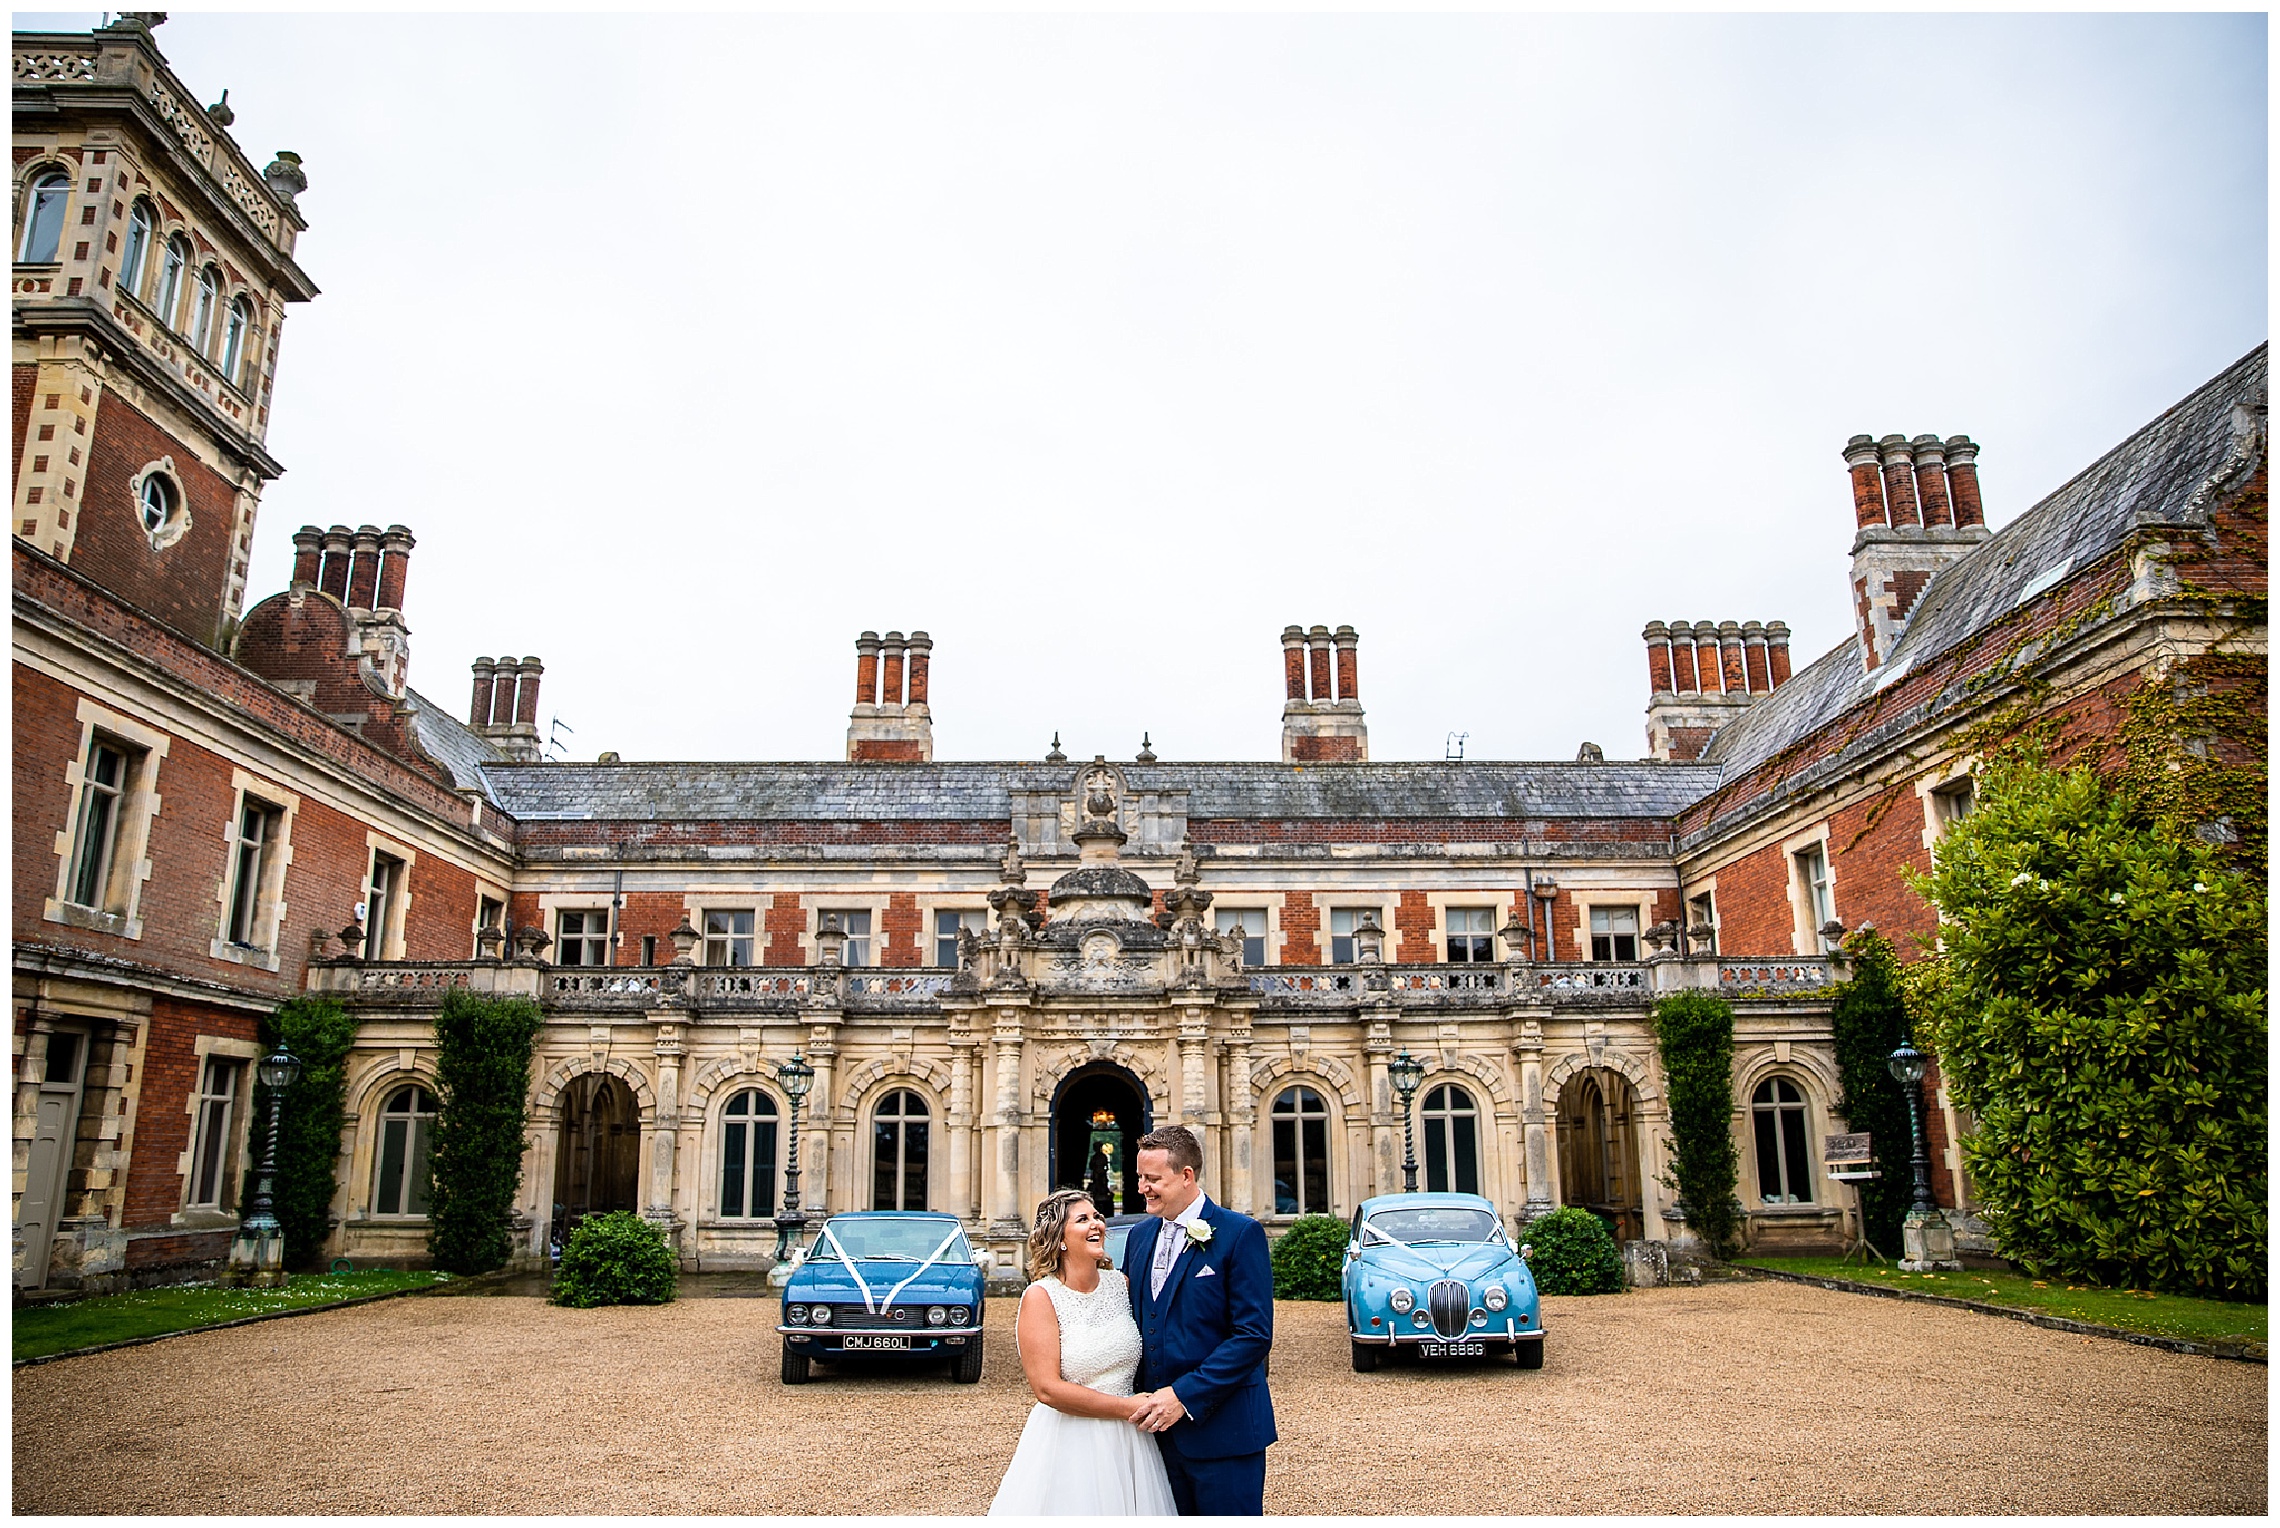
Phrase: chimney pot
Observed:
(1735, 680)
(1347, 640)
(1864, 462)
(308, 554)
(867, 669)
(526, 692)
(479, 709)
(1963, 480)
(1753, 657)
(1318, 662)
(333, 578)
(1776, 654)
(891, 670)
(396, 549)
(1684, 678)
(364, 573)
(1657, 638)
(1931, 481)
(921, 648)
(1900, 481)
(1294, 663)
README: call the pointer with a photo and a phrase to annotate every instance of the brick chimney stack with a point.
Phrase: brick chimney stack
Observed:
(891, 722)
(1701, 675)
(308, 555)
(364, 572)
(479, 708)
(333, 578)
(505, 706)
(1322, 708)
(396, 550)
(1916, 509)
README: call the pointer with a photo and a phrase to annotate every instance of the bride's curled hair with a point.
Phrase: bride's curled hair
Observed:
(1053, 1224)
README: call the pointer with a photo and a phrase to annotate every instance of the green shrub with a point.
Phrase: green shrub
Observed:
(1695, 1033)
(1571, 1252)
(1307, 1258)
(615, 1259)
(319, 1032)
(2102, 1012)
(482, 1085)
(1870, 1021)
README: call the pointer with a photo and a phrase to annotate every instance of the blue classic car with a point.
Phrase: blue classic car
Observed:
(898, 1284)
(1435, 1272)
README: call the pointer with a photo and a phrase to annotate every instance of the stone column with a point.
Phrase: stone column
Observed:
(668, 1114)
(1242, 1119)
(1002, 1203)
(1385, 1123)
(965, 1183)
(815, 1149)
(1535, 1119)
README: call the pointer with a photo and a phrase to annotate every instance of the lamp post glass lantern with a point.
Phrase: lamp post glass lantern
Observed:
(795, 1077)
(1907, 1064)
(278, 1070)
(1406, 1072)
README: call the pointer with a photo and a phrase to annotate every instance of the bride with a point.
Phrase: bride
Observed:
(1080, 1454)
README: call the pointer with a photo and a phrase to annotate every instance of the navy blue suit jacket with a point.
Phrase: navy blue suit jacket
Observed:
(1208, 1336)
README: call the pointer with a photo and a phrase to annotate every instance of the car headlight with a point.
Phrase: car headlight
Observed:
(1420, 1319)
(1495, 1298)
(1401, 1299)
(821, 1315)
(959, 1315)
(936, 1315)
(795, 1315)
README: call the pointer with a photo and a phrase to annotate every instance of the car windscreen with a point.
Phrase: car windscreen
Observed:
(1433, 1223)
(893, 1240)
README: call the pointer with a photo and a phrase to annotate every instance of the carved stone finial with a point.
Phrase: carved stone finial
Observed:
(284, 176)
(1056, 756)
(1010, 868)
(490, 942)
(1147, 753)
(684, 939)
(352, 939)
(1186, 872)
(530, 940)
(220, 111)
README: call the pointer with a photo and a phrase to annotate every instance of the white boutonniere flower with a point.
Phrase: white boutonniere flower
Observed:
(1199, 1232)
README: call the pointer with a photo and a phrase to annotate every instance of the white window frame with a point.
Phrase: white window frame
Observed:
(1449, 1116)
(413, 1132)
(1265, 915)
(1803, 1109)
(1592, 914)
(1450, 934)
(237, 322)
(209, 293)
(780, 1118)
(871, 939)
(1298, 1119)
(262, 948)
(902, 1123)
(1812, 901)
(172, 267)
(48, 187)
(750, 938)
(243, 1054)
(1330, 936)
(160, 479)
(586, 937)
(496, 896)
(975, 918)
(142, 229)
(130, 864)
(385, 940)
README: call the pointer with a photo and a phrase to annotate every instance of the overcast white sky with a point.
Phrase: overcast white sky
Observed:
(1102, 348)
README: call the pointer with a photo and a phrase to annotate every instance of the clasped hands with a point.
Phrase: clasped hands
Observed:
(1157, 1410)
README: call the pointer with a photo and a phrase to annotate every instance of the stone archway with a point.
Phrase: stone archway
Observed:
(597, 1159)
(1100, 1104)
(1598, 1126)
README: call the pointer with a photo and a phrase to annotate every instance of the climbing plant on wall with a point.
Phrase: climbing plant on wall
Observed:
(1870, 1021)
(313, 1112)
(1695, 1033)
(2101, 1008)
(482, 1084)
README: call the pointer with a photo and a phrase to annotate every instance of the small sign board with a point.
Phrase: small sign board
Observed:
(1846, 1148)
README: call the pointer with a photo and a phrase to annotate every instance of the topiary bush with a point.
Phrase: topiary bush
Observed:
(319, 1032)
(615, 1259)
(1307, 1258)
(482, 1086)
(2101, 1010)
(1571, 1252)
(1695, 1033)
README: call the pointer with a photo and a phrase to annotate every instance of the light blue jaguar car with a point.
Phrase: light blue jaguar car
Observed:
(901, 1284)
(1436, 1273)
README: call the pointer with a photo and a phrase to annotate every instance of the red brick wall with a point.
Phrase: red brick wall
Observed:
(1326, 750)
(656, 914)
(440, 924)
(606, 833)
(20, 383)
(786, 921)
(305, 637)
(184, 584)
(903, 930)
(887, 751)
(1413, 920)
(162, 1113)
(1301, 930)
(1426, 830)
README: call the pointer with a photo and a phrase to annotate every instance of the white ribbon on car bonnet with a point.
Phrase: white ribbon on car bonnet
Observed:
(874, 1305)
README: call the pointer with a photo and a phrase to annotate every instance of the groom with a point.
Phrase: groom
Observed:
(1204, 1298)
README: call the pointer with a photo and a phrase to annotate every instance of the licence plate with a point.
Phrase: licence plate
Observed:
(1453, 1349)
(898, 1343)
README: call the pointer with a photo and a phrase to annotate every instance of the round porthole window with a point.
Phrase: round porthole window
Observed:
(159, 504)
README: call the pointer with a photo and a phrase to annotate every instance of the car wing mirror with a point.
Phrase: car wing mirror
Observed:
(1525, 1249)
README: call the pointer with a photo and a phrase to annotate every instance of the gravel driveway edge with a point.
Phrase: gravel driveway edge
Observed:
(2239, 1352)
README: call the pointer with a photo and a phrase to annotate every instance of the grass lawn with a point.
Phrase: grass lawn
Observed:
(43, 1329)
(2183, 1316)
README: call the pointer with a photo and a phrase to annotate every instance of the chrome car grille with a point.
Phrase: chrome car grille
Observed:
(1451, 1307)
(853, 1318)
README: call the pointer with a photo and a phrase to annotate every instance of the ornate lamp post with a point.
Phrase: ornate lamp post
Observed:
(257, 1252)
(795, 1077)
(1927, 1240)
(1406, 1072)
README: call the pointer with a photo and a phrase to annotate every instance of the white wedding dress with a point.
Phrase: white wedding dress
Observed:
(1088, 1466)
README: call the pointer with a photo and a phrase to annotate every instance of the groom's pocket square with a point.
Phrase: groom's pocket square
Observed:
(1206, 1273)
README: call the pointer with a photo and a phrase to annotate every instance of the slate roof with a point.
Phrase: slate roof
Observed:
(448, 741)
(983, 790)
(2157, 469)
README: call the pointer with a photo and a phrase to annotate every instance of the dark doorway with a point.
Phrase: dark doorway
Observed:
(1599, 1152)
(599, 1160)
(1100, 1106)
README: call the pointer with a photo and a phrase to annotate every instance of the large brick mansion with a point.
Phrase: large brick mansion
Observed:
(989, 964)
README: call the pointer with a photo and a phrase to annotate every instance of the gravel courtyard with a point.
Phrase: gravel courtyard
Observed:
(1731, 1398)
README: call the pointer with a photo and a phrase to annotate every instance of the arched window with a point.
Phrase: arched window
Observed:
(202, 317)
(233, 339)
(43, 223)
(1302, 1152)
(140, 226)
(1452, 1146)
(1785, 1172)
(157, 501)
(170, 281)
(748, 1157)
(898, 1152)
(407, 1132)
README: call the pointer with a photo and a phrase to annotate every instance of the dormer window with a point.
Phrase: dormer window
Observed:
(141, 224)
(170, 280)
(233, 340)
(43, 225)
(202, 319)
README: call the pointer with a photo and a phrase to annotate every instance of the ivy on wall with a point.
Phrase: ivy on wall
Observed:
(1870, 1021)
(482, 1084)
(312, 1114)
(1694, 1032)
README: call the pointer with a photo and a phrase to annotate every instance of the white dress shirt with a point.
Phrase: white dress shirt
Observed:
(1171, 1239)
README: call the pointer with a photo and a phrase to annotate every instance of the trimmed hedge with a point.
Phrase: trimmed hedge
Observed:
(482, 1084)
(1571, 1252)
(616, 1259)
(319, 1033)
(1695, 1033)
(1307, 1258)
(2101, 1009)
(1871, 1020)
